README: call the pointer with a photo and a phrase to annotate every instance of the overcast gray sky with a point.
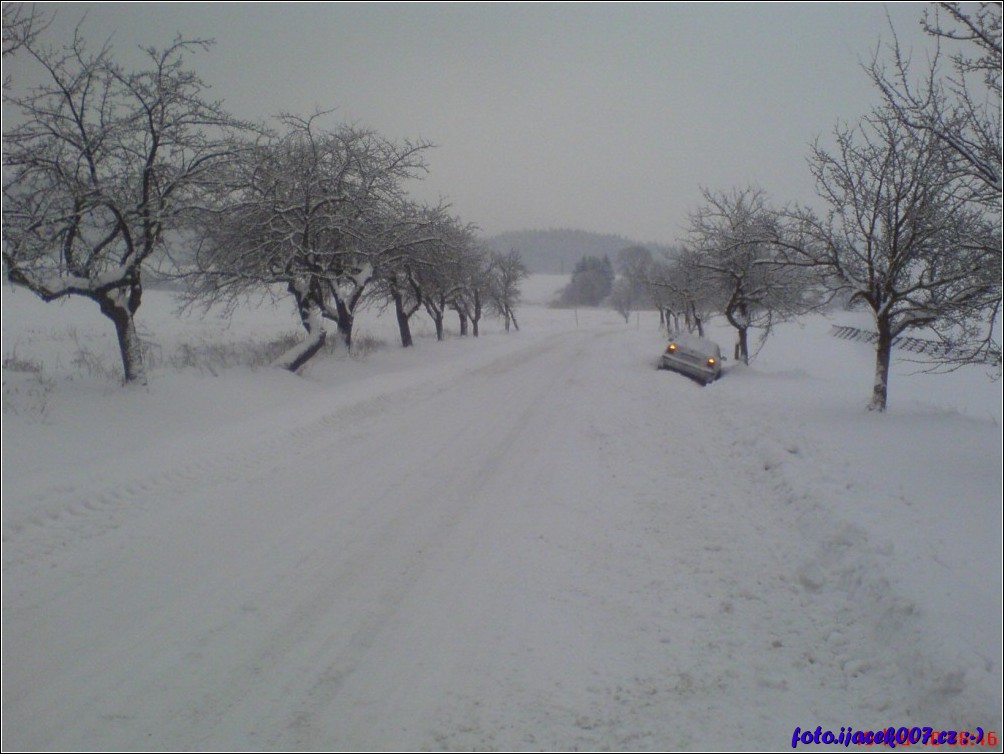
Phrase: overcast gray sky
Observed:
(607, 118)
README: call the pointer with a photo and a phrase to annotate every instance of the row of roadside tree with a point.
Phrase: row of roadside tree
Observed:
(109, 173)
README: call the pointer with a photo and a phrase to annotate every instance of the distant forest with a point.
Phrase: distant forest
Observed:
(557, 251)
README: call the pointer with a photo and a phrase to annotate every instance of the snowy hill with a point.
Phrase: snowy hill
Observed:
(524, 541)
(556, 251)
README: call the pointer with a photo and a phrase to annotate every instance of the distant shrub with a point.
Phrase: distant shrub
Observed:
(592, 281)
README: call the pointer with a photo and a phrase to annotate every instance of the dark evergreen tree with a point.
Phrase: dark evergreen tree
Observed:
(592, 281)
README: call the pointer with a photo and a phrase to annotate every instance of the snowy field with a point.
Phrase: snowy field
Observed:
(525, 541)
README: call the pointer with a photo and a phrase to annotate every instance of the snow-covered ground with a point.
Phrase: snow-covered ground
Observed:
(524, 541)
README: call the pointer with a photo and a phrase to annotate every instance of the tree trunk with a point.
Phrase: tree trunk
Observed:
(476, 317)
(742, 346)
(119, 306)
(345, 305)
(672, 322)
(735, 313)
(883, 356)
(403, 324)
(699, 325)
(130, 347)
(463, 322)
(312, 318)
(345, 322)
(436, 307)
(303, 352)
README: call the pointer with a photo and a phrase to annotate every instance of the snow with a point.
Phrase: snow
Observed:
(527, 541)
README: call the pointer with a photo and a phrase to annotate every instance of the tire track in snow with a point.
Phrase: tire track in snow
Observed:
(657, 588)
(263, 633)
(429, 543)
(51, 518)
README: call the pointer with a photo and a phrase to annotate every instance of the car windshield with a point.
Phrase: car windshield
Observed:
(694, 343)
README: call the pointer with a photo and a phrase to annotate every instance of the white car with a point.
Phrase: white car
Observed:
(699, 358)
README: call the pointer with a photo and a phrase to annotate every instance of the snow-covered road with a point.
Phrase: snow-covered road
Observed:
(541, 544)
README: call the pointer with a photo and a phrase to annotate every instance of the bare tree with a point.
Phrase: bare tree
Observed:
(22, 26)
(317, 211)
(622, 298)
(472, 272)
(678, 288)
(733, 250)
(452, 274)
(405, 293)
(505, 273)
(900, 238)
(633, 263)
(960, 107)
(103, 164)
(408, 270)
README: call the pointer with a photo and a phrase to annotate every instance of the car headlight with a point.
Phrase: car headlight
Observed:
(671, 348)
(711, 361)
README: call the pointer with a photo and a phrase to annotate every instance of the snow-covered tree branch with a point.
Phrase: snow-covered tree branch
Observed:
(960, 106)
(901, 239)
(735, 251)
(319, 212)
(505, 273)
(102, 165)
